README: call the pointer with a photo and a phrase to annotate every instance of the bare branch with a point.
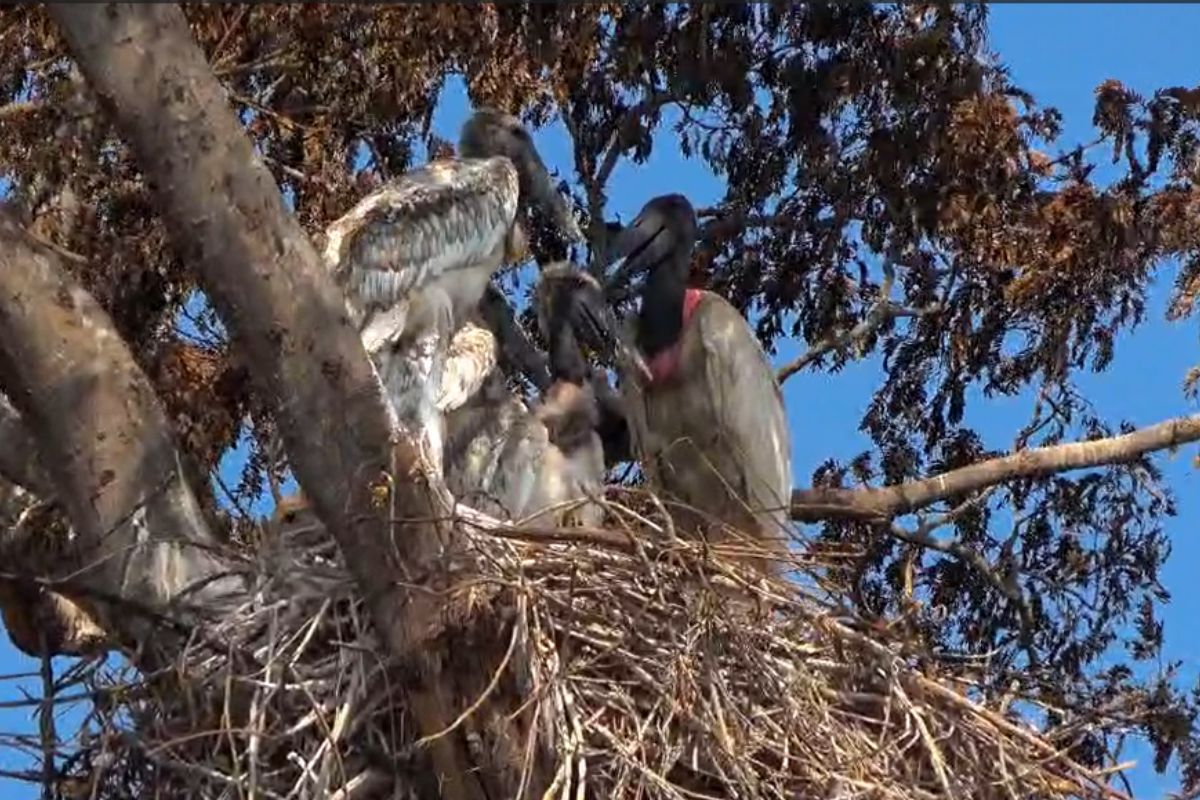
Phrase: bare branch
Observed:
(594, 182)
(256, 264)
(923, 536)
(287, 315)
(46, 726)
(883, 503)
(19, 463)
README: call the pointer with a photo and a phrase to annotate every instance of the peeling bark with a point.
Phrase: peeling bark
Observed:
(264, 277)
(106, 444)
(881, 504)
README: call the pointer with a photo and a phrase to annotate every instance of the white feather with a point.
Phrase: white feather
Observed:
(414, 257)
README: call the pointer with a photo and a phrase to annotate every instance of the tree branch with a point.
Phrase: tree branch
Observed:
(619, 140)
(285, 313)
(106, 440)
(882, 312)
(922, 536)
(883, 503)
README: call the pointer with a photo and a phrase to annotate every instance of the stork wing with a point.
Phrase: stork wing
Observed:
(430, 221)
(747, 406)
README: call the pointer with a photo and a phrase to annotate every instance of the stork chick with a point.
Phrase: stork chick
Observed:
(531, 465)
(416, 255)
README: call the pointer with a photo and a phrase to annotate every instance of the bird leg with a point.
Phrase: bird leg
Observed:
(431, 351)
(404, 371)
(427, 351)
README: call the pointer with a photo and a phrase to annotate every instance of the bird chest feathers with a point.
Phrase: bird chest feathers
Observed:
(681, 433)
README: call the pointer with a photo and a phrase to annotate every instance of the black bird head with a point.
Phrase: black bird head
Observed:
(489, 133)
(661, 237)
(574, 318)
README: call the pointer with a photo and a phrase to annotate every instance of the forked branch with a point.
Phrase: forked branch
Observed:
(286, 315)
(106, 441)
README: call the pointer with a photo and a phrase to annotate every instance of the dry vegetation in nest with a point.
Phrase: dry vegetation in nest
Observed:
(616, 663)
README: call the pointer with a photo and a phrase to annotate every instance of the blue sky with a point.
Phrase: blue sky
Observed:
(1060, 53)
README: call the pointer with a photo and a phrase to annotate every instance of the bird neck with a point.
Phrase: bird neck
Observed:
(566, 361)
(660, 321)
(613, 425)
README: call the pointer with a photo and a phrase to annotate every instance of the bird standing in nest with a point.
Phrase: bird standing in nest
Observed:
(707, 420)
(533, 465)
(416, 256)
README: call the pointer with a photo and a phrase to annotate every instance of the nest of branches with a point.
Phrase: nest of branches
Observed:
(623, 662)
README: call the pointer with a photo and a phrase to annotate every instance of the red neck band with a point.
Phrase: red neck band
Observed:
(664, 365)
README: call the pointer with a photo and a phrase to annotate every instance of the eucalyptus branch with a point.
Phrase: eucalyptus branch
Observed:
(595, 181)
(19, 460)
(884, 311)
(883, 503)
(923, 537)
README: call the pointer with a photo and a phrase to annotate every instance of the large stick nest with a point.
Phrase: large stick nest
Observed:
(624, 662)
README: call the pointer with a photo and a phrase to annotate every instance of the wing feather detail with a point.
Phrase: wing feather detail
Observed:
(433, 219)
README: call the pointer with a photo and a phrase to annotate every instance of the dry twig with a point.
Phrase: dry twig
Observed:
(616, 665)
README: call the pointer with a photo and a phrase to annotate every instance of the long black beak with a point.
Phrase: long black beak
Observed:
(592, 321)
(585, 309)
(598, 329)
(545, 195)
(639, 248)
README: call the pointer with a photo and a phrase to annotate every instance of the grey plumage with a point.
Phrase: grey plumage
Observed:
(537, 464)
(709, 424)
(444, 218)
(415, 257)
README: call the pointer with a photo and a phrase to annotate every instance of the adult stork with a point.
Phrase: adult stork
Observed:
(415, 257)
(707, 421)
(536, 465)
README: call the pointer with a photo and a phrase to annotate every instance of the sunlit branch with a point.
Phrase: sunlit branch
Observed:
(883, 503)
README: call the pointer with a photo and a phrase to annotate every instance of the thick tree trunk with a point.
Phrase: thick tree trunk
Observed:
(19, 459)
(106, 445)
(285, 313)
